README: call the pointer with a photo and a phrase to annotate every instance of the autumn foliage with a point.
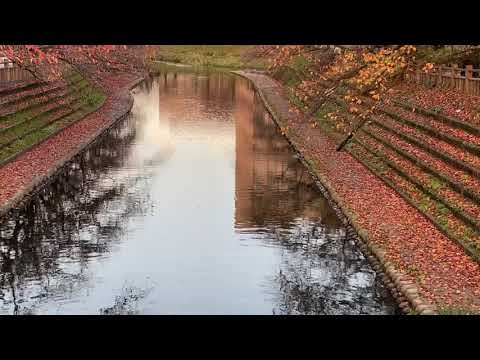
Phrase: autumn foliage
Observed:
(364, 70)
(46, 62)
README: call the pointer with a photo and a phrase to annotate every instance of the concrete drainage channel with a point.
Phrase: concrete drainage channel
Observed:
(403, 290)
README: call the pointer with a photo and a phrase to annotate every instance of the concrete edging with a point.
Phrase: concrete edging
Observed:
(126, 99)
(403, 290)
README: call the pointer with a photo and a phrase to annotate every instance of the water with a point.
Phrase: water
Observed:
(195, 204)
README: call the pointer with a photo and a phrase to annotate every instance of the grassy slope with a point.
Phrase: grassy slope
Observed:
(89, 100)
(223, 56)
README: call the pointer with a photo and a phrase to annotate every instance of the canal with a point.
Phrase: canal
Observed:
(194, 204)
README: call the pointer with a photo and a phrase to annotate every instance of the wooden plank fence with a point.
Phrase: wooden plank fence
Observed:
(9, 72)
(466, 80)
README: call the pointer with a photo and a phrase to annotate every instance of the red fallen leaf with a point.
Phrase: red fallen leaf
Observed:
(15, 175)
(362, 192)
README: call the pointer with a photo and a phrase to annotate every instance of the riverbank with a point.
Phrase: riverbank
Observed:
(426, 270)
(212, 56)
(31, 169)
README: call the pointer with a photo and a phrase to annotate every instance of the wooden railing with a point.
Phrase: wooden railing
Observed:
(465, 80)
(9, 72)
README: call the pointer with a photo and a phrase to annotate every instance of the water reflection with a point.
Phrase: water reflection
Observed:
(46, 245)
(321, 271)
(196, 202)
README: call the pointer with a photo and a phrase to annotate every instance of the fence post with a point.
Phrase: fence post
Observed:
(468, 76)
(454, 75)
(440, 75)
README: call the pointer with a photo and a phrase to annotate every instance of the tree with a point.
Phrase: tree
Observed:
(47, 62)
(366, 71)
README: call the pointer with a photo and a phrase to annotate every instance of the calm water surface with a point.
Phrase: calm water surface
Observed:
(195, 204)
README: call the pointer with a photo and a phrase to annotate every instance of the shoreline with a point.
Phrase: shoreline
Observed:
(404, 291)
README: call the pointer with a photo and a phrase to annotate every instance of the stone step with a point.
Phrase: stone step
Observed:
(35, 100)
(23, 117)
(34, 124)
(414, 196)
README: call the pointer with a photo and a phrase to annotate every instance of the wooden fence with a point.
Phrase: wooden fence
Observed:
(9, 72)
(465, 80)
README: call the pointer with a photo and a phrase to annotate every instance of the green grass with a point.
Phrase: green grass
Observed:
(34, 122)
(16, 118)
(72, 78)
(372, 160)
(75, 84)
(287, 76)
(301, 64)
(92, 97)
(435, 184)
(328, 124)
(454, 311)
(294, 73)
(468, 233)
(221, 56)
(440, 212)
(89, 99)
(327, 108)
(442, 209)
(294, 99)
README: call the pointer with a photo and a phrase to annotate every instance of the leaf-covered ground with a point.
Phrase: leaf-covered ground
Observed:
(442, 270)
(411, 142)
(19, 174)
(449, 102)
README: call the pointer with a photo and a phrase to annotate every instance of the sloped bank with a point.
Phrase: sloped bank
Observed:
(404, 290)
(20, 178)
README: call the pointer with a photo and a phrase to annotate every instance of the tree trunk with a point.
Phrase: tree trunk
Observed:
(351, 134)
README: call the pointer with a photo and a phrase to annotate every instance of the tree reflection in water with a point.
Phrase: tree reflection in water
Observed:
(126, 303)
(46, 244)
(321, 271)
(330, 277)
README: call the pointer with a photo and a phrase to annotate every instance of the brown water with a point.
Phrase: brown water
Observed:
(195, 204)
